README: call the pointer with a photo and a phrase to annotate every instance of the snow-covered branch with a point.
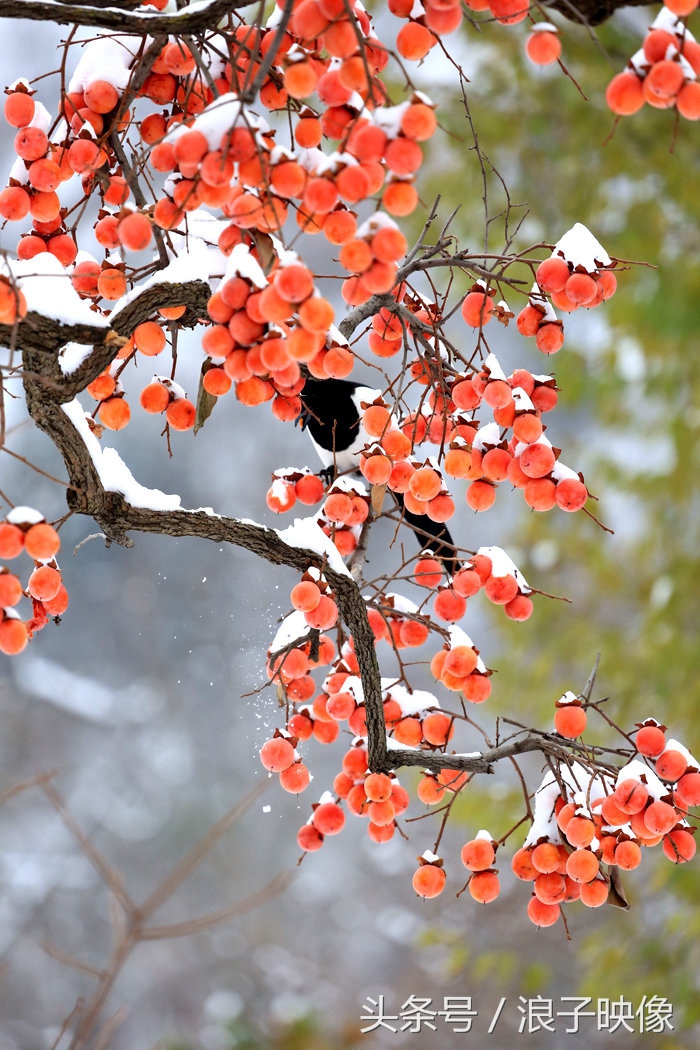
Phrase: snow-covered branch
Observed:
(203, 14)
(41, 335)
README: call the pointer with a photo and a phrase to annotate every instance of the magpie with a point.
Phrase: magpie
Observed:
(332, 414)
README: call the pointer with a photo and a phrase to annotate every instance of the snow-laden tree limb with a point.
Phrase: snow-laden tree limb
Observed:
(42, 337)
(203, 14)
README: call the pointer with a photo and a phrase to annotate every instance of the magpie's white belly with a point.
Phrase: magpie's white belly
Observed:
(345, 460)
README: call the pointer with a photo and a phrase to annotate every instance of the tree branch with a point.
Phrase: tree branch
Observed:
(205, 922)
(122, 21)
(479, 762)
(42, 337)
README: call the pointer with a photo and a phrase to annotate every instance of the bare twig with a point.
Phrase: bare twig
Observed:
(187, 865)
(109, 875)
(205, 922)
(37, 781)
(70, 960)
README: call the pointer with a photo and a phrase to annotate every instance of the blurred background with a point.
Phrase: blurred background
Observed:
(149, 700)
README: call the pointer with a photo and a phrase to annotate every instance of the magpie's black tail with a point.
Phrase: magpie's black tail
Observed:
(433, 534)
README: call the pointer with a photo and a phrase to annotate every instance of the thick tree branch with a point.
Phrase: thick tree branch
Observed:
(187, 21)
(41, 337)
(480, 762)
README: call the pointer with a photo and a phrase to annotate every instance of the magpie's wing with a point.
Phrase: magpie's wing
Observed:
(433, 534)
(332, 409)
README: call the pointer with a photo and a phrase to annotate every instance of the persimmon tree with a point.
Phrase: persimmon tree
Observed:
(167, 182)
